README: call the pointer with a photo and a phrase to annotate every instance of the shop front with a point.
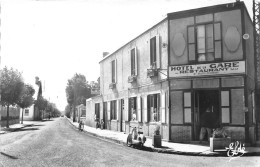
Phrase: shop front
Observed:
(197, 88)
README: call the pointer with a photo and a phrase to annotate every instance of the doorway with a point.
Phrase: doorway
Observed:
(204, 99)
(105, 114)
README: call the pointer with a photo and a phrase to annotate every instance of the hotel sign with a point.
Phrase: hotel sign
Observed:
(221, 68)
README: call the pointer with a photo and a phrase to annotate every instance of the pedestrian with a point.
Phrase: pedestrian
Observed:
(207, 123)
(81, 126)
(102, 124)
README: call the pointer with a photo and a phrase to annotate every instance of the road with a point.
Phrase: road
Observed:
(58, 143)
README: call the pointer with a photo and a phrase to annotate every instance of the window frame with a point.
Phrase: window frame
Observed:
(195, 42)
(151, 101)
(153, 51)
(113, 71)
(134, 101)
(187, 107)
(226, 106)
(133, 58)
(26, 112)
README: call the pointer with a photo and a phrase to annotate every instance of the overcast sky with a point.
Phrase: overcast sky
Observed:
(54, 39)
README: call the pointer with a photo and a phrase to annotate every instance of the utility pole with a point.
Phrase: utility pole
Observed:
(256, 24)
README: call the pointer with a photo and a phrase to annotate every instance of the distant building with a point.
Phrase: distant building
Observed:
(171, 73)
(28, 113)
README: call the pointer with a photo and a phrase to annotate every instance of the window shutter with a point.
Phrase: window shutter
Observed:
(115, 70)
(139, 116)
(145, 109)
(136, 61)
(163, 100)
(117, 109)
(158, 51)
(126, 109)
(108, 111)
(112, 73)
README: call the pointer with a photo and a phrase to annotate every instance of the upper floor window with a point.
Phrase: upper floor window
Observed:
(205, 45)
(113, 71)
(153, 59)
(133, 62)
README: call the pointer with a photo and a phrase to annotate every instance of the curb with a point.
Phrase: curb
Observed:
(170, 151)
(7, 130)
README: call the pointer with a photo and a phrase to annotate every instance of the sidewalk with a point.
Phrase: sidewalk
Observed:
(167, 147)
(15, 127)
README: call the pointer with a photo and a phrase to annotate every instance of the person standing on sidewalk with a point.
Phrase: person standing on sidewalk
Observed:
(207, 124)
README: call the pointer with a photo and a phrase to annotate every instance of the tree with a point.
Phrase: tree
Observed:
(11, 86)
(77, 91)
(26, 99)
(67, 110)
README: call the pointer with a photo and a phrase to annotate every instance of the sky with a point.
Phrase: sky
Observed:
(54, 39)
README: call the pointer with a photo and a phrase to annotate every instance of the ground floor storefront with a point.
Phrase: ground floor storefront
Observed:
(178, 106)
(228, 100)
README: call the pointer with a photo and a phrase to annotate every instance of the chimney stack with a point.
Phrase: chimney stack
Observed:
(105, 54)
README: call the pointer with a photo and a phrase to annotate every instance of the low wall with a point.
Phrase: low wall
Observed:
(14, 116)
(11, 122)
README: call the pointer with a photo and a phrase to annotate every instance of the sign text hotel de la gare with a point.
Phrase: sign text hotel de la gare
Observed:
(220, 68)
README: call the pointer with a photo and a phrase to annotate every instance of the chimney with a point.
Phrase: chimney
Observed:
(105, 54)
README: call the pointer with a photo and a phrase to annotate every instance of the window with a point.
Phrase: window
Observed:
(208, 42)
(83, 113)
(187, 107)
(153, 105)
(153, 51)
(113, 71)
(133, 108)
(225, 107)
(113, 110)
(133, 62)
(97, 111)
(26, 112)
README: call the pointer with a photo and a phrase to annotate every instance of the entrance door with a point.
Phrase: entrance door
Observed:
(121, 114)
(204, 99)
(104, 114)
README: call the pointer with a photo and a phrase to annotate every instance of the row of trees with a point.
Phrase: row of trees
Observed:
(78, 89)
(14, 92)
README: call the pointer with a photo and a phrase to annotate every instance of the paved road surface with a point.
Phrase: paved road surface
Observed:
(58, 143)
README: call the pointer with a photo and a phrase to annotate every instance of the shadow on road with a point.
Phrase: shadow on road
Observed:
(9, 156)
(45, 120)
(24, 129)
(20, 129)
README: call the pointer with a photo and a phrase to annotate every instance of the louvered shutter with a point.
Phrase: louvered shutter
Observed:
(136, 69)
(158, 52)
(139, 109)
(108, 111)
(126, 109)
(117, 109)
(163, 109)
(115, 70)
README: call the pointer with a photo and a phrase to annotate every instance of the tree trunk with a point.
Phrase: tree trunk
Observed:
(22, 116)
(74, 113)
(7, 117)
